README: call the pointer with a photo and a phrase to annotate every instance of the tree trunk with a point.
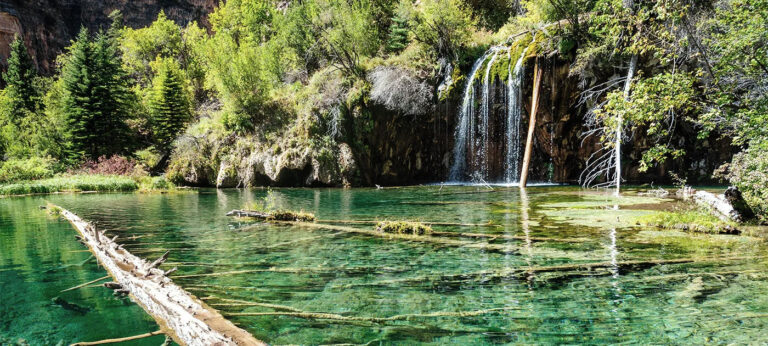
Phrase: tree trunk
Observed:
(620, 121)
(531, 123)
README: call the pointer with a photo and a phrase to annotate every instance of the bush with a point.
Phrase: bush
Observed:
(749, 173)
(26, 169)
(403, 227)
(147, 183)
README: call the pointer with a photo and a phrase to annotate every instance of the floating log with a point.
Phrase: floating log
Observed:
(181, 315)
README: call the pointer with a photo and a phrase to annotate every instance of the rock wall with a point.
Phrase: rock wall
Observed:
(48, 26)
(408, 149)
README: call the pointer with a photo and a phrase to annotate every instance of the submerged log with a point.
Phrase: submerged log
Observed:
(181, 315)
(249, 213)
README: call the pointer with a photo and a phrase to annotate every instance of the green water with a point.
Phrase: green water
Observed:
(356, 275)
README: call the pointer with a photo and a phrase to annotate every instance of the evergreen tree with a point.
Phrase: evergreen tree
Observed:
(398, 34)
(169, 104)
(79, 106)
(20, 78)
(96, 98)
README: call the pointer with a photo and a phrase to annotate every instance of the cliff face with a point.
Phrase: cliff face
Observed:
(48, 26)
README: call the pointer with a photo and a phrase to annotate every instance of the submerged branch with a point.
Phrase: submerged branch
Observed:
(112, 341)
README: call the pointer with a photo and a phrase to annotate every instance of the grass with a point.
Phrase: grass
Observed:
(403, 227)
(73, 183)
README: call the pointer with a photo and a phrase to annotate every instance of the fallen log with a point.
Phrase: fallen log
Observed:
(719, 205)
(181, 315)
(503, 248)
(522, 272)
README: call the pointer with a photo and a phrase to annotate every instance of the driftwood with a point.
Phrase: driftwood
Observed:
(249, 213)
(113, 341)
(181, 315)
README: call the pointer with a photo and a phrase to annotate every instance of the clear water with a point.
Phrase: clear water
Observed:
(360, 276)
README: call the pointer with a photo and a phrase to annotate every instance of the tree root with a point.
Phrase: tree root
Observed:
(111, 341)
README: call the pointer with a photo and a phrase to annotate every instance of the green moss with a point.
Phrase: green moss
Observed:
(605, 201)
(689, 220)
(403, 227)
(600, 218)
(288, 215)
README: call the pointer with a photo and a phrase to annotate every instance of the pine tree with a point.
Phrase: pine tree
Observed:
(170, 104)
(398, 34)
(79, 105)
(97, 96)
(20, 81)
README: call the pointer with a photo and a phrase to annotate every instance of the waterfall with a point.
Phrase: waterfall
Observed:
(472, 157)
(464, 130)
(514, 111)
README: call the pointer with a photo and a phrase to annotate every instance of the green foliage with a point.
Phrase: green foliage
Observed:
(141, 47)
(27, 169)
(738, 49)
(20, 80)
(654, 104)
(398, 34)
(445, 26)
(749, 172)
(169, 104)
(403, 227)
(150, 184)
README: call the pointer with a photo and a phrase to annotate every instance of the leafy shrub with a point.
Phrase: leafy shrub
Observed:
(26, 169)
(403, 227)
(147, 183)
(749, 173)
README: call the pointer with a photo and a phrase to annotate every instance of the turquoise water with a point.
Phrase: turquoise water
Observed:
(450, 294)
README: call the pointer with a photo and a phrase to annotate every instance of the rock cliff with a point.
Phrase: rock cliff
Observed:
(48, 26)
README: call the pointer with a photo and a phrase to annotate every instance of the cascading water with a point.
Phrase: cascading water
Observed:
(473, 142)
(465, 128)
(514, 112)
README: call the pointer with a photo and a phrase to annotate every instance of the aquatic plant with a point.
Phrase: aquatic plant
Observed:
(403, 227)
(74, 183)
